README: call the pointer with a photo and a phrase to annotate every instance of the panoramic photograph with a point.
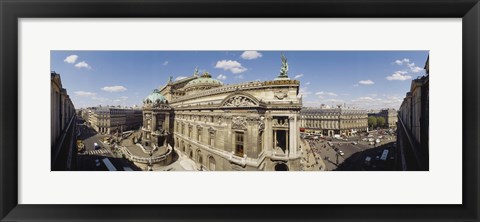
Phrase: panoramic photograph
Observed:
(250, 110)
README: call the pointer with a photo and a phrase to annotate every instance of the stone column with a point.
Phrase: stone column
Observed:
(167, 122)
(144, 120)
(274, 139)
(294, 134)
(154, 121)
(268, 134)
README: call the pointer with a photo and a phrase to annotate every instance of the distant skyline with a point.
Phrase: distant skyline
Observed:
(363, 79)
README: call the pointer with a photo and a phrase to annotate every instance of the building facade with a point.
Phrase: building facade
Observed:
(109, 120)
(63, 132)
(331, 122)
(246, 126)
(413, 125)
(390, 116)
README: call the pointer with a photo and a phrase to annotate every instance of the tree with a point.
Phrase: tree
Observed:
(380, 121)
(372, 122)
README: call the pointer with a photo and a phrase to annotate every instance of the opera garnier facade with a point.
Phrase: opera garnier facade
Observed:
(248, 126)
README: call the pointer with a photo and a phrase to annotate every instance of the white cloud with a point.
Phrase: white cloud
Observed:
(372, 101)
(71, 59)
(231, 65)
(180, 78)
(413, 68)
(364, 99)
(304, 92)
(298, 76)
(337, 101)
(402, 61)
(325, 94)
(123, 97)
(165, 63)
(114, 88)
(307, 83)
(101, 99)
(399, 75)
(221, 77)
(83, 93)
(366, 82)
(83, 64)
(251, 55)
(239, 77)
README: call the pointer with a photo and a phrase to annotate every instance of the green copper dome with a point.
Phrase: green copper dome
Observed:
(205, 79)
(155, 97)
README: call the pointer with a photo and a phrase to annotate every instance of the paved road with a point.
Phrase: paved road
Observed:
(87, 161)
(354, 154)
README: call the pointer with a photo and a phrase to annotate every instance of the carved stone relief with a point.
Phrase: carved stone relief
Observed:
(239, 122)
(280, 95)
(239, 101)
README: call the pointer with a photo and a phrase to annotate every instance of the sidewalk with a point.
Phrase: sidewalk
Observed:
(312, 162)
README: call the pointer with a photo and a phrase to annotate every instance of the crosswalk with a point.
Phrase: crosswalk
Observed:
(96, 152)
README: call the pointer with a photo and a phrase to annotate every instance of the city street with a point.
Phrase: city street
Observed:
(355, 152)
(88, 160)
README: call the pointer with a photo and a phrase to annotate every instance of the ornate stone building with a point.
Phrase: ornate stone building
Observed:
(246, 126)
(156, 129)
(336, 121)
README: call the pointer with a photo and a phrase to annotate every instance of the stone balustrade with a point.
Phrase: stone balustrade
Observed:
(146, 160)
(235, 87)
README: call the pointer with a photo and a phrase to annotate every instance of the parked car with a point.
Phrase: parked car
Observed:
(96, 146)
(97, 162)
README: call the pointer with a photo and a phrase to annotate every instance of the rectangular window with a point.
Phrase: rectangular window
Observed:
(239, 143)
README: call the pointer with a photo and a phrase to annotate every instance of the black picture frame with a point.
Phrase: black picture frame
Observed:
(11, 11)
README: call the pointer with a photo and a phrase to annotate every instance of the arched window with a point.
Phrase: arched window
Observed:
(199, 157)
(199, 135)
(211, 163)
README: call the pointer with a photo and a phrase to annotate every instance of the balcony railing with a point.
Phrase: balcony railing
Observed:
(63, 150)
(412, 144)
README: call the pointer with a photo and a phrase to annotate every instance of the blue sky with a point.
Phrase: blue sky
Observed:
(364, 79)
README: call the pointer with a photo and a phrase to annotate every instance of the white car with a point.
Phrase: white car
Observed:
(96, 146)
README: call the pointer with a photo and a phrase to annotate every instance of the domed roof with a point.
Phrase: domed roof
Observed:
(205, 79)
(155, 97)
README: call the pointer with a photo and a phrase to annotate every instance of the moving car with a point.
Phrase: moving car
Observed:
(96, 146)
(97, 162)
